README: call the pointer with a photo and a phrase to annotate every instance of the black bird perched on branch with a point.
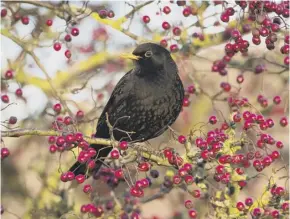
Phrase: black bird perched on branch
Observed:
(143, 104)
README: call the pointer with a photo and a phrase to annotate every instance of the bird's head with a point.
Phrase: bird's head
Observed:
(150, 57)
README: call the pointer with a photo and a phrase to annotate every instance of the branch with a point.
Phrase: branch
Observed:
(31, 132)
(99, 141)
(137, 8)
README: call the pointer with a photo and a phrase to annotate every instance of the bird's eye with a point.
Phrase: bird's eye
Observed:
(148, 53)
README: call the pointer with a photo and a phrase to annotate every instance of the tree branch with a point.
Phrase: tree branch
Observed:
(100, 141)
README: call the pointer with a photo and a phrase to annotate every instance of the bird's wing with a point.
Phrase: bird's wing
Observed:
(115, 105)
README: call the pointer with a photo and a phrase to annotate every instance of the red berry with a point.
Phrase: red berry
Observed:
(277, 100)
(3, 12)
(49, 22)
(63, 177)
(167, 152)
(176, 31)
(275, 155)
(123, 145)
(69, 138)
(75, 31)
(186, 11)
(25, 20)
(286, 60)
(67, 120)
(224, 17)
(204, 154)
(92, 152)
(285, 206)
(225, 126)
(103, 13)
(279, 191)
(52, 148)
(5, 98)
(80, 178)
(275, 214)
(256, 40)
(51, 139)
(285, 49)
(192, 214)
(57, 108)
(270, 123)
(188, 204)
(18, 92)
(275, 27)
(164, 43)
(240, 171)
(91, 164)
(111, 14)
(4, 153)
(136, 192)
(67, 38)
(263, 125)
(176, 179)
(240, 79)
(115, 154)
(267, 161)
(285, 13)
(235, 34)
(144, 166)
(196, 193)
(287, 39)
(60, 141)
(186, 102)
(230, 11)
(249, 201)
(145, 183)
(80, 114)
(146, 19)
(119, 174)
(9, 74)
(87, 188)
(283, 121)
(57, 46)
(67, 54)
(237, 117)
(173, 48)
(240, 206)
(12, 120)
(70, 176)
(188, 179)
(225, 86)
(257, 212)
(191, 89)
(166, 10)
(259, 69)
(212, 120)
(279, 144)
(181, 139)
(165, 25)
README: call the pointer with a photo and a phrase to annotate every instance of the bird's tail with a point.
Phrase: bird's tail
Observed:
(81, 168)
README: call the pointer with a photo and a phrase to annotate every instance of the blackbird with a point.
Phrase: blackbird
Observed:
(143, 104)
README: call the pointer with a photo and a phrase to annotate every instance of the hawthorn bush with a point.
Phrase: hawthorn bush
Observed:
(225, 157)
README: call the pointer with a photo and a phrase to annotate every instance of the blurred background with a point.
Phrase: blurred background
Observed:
(30, 182)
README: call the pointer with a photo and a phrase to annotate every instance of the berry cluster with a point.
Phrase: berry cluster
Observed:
(278, 194)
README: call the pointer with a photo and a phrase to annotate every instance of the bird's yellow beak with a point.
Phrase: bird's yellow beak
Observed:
(130, 56)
